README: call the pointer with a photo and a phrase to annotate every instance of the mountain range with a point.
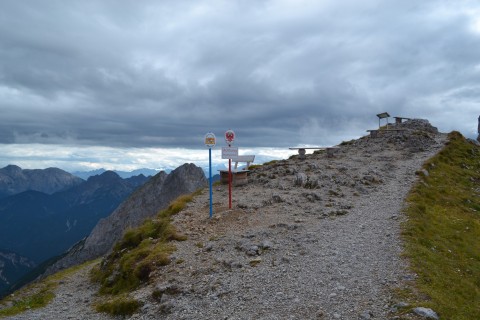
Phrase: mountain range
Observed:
(14, 179)
(36, 226)
(79, 222)
(148, 172)
(123, 174)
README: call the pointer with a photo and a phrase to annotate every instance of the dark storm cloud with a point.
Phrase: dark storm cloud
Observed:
(162, 74)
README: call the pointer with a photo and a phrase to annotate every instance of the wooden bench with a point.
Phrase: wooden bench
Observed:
(239, 176)
(245, 159)
(303, 150)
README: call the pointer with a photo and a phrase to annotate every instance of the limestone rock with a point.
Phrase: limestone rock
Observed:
(300, 179)
(426, 313)
(14, 179)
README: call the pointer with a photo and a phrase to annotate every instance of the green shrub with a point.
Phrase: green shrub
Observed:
(141, 251)
(346, 143)
(270, 162)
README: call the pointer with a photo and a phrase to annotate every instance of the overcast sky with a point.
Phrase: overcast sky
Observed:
(129, 84)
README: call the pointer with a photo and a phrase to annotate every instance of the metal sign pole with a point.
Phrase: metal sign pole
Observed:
(210, 179)
(229, 183)
(210, 141)
(229, 137)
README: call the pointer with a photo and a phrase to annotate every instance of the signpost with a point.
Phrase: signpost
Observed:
(229, 152)
(229, 138)
(210, 142)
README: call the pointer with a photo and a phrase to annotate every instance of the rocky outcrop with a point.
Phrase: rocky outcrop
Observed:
(426, 313)
(14, 179)
(12, 267)
(106, 185)
(144, 203)
(419, 125)
(137, 181)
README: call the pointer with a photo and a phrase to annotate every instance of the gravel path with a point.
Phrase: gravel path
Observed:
(306, 239)
(73, 300)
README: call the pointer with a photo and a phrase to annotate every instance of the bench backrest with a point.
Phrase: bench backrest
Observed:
(245, 158)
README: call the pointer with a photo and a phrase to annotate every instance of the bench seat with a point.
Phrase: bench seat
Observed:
(244, 158)
(239, 176)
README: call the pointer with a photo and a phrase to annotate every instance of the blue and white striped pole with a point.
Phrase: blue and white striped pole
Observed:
(210, 179)
(210, 141)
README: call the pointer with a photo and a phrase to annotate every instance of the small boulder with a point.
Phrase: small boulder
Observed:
(426, 313)
(300, 179)
(276, 198)
(266, 244)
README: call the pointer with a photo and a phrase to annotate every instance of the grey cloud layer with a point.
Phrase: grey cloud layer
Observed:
(149, 73)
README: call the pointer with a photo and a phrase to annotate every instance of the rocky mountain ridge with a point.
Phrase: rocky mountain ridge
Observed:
(153, 196)
(123, 174)
(40, 226)
(14, 179)
(12, 266)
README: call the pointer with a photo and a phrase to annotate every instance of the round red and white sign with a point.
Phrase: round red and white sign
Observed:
(229, 137)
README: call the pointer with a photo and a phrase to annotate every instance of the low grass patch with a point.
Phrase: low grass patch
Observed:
(136, 255)
(442, 233)
(38, 298)
(347, 143)
(119, 306)
(36, 295)
(270, 162)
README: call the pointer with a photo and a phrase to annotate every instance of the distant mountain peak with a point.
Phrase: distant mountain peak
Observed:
(14, 179)
(12, 169)
(105, 176)
(123, 174)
